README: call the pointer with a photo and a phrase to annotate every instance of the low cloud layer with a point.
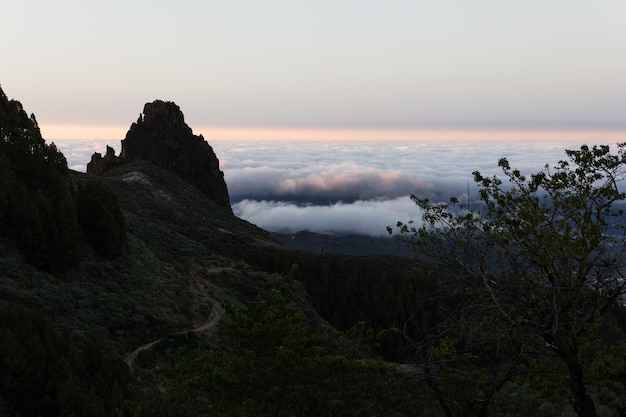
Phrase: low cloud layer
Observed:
(362, 187)
(319, 183)
(350, 187)
(369, 217)
(78, 152)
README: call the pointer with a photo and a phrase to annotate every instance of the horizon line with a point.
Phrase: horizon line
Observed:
(61, 132)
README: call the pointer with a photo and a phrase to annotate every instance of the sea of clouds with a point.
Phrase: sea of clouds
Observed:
(349, 186)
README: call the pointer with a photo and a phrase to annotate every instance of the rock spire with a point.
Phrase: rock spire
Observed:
(161, 137)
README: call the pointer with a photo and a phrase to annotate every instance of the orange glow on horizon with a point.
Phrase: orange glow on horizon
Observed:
(83, 132)
(213, 133)
(381, 135)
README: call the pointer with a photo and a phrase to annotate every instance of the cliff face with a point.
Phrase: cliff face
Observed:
(161, 136)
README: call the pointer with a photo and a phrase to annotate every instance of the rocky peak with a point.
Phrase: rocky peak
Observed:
(161, 136)
(100, 165)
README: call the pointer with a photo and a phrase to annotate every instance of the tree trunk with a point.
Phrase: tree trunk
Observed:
(582, 402)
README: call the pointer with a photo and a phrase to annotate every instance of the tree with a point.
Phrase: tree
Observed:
(543, 259)
(46, 373)
(271, 360)
(38, 211)
(101, 218)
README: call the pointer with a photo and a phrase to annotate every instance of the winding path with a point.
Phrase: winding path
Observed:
(217, 312)
(216, 315)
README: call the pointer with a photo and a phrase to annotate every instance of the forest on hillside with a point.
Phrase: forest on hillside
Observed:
(40, 210)
(516, 309)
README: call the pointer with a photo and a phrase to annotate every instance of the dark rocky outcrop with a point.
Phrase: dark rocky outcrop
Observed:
(161, 136)
(100, 165)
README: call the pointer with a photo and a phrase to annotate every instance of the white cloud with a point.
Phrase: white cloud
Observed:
(349, 171)
(342, 187)
(369, 217)
(326, 183)
(78, 153)
(362, 187)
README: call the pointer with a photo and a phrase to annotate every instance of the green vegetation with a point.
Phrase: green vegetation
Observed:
(101, 218)
(91, 270)
(180, 250)
(44, 373)
(271, 361)
(398, 304)
(540, 270)
(38, 208)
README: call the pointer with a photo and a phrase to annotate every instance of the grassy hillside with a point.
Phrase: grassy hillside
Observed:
(182, 257)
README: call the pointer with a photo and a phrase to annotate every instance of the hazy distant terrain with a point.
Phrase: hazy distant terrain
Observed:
(346, 245)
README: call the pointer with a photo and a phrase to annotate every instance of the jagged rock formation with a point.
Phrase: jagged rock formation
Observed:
(100, 165)
(161, 136)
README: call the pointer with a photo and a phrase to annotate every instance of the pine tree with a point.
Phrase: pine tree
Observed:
(37, 208)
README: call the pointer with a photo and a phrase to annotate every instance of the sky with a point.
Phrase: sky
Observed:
(237, 68)
(327, 115)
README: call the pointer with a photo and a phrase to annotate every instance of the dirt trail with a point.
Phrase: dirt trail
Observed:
(216, 315)
(217, 312)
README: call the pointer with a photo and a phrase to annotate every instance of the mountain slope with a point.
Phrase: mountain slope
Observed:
(184, 255)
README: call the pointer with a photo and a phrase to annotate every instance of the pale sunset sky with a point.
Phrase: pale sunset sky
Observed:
(337, 69)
